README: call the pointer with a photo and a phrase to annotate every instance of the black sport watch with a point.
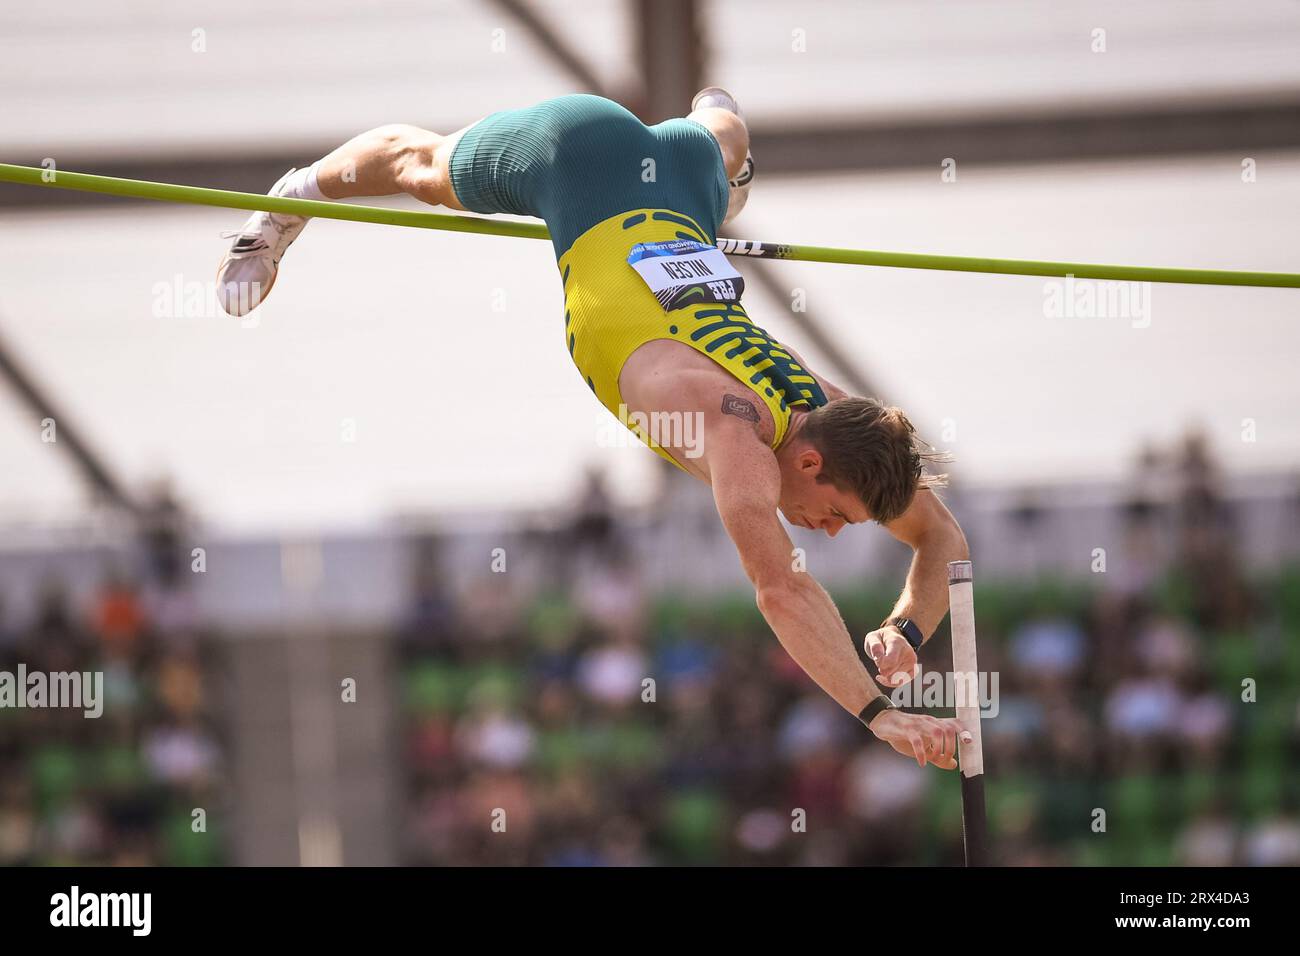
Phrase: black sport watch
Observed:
(910, 631)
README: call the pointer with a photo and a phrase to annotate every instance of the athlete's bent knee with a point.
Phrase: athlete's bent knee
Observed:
(411, 152)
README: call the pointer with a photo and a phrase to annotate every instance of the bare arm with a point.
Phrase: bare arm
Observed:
(936, 539)
(746, 488)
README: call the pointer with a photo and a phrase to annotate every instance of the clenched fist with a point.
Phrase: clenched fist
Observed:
(892, 655)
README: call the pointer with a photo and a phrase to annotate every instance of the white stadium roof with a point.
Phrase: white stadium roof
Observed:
(384, 327)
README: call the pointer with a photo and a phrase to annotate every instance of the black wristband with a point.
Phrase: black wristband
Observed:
(911, 632)
(869, 712)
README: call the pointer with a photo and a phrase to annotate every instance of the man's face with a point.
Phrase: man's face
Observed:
(814, 504)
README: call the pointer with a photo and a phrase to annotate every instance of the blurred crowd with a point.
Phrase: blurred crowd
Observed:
(1146, 716)
(142, 783)
(1146, 713)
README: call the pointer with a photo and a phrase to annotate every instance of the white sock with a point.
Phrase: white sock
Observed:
(302, 184)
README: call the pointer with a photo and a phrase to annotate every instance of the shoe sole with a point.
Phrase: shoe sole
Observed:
(225, 260)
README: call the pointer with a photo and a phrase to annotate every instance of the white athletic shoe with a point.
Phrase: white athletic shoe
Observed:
(248, 270)
(716, 96)
(739, 192)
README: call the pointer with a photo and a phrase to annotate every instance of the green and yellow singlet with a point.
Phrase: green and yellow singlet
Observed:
(604, 182)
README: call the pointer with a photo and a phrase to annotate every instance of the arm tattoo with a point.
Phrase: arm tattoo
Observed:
(740, 407)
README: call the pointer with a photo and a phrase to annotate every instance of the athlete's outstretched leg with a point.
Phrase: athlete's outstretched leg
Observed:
(717, 110)
(380, 162)
(391, 160)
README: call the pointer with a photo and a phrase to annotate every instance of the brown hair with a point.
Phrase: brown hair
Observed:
(872, 450)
